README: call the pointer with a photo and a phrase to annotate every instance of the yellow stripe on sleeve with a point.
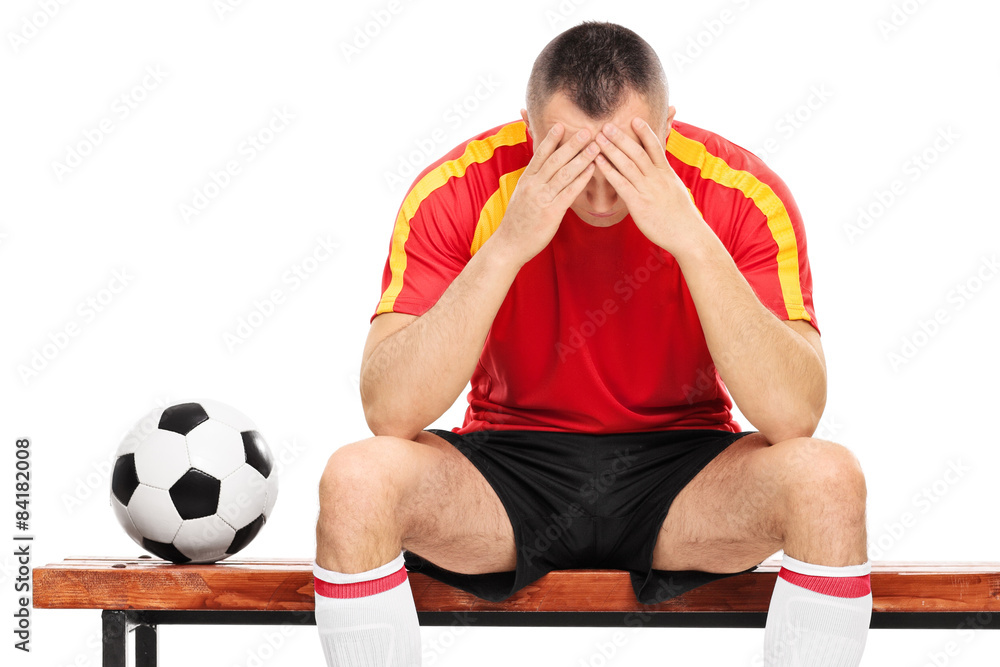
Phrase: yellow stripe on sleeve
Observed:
(476, 152)
(492, 213)
(695, 154)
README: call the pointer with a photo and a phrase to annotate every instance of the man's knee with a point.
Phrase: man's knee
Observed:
(365, 477)
(360, 494)
(823, 470)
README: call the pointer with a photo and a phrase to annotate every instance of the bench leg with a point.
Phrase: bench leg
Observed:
(145, 645)
(121, 628)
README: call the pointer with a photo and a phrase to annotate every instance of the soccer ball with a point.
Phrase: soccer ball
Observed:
(194, 482)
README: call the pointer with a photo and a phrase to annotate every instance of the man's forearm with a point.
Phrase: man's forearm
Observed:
(775, 376)
(413, 376)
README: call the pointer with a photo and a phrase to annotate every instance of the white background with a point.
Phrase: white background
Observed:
(880, 95)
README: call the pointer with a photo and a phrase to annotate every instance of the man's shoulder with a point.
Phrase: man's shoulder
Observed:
(489, 154)
(452, 192)
(692, 144)
(716, 169)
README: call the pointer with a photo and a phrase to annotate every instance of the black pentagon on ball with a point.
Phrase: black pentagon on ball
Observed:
(196, 494)
(164, 551)
(182, 418)
(245, 535)
(125, 479)
(257, 452)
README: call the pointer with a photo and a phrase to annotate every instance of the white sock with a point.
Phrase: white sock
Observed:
(819, 615)
(367, 619)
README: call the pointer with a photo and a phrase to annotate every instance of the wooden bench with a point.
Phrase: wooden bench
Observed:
(137, 595)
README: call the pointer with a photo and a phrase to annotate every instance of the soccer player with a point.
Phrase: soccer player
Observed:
(608, 277)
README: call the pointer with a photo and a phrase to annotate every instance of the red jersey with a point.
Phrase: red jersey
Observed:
(598, 332)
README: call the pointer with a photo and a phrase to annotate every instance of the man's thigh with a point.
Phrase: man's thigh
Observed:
(454, 518)
(729, 517)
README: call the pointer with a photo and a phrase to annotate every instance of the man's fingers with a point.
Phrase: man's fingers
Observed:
(569, 194)
(628, 146)
(545, 148)
(564, 155)
(622, 185)
(569, 172)
(624, 163)
(650, 142)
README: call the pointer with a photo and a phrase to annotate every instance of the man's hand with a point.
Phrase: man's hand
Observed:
(655, 196)
(551, 182)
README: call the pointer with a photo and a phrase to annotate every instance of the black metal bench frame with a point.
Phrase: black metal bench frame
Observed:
(129, 636)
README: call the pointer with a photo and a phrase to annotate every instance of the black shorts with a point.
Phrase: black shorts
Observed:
(581, 501)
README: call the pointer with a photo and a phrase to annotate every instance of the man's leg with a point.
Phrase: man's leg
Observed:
(378, 497)
(805, 496)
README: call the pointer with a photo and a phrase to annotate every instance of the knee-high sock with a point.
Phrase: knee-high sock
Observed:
(367, 619)
(819, 615)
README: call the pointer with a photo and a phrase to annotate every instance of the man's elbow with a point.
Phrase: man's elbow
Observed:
(788, 430)
(793, 421)
(393, 422)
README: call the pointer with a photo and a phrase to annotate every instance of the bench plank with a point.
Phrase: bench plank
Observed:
(287, 585)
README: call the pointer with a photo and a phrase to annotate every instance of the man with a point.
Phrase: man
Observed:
(604, 275)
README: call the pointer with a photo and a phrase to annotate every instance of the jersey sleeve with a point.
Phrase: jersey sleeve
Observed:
(769, 248)
(430, 244)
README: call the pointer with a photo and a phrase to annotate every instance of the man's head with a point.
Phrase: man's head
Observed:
(592, 74)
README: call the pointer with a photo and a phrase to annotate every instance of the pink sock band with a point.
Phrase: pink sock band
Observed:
(359, 589)
(841, 587)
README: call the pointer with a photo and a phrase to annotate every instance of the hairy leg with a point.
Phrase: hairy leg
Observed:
(806, 496)
(384, 494)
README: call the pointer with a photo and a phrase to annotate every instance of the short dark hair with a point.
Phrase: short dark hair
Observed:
(597, 65)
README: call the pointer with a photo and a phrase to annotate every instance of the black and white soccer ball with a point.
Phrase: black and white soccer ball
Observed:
(193, 482)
